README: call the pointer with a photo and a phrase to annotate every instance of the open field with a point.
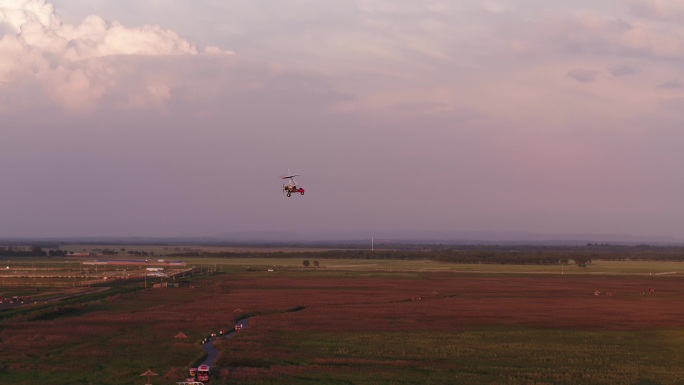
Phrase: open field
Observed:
(75, 271)
(442, 328)
(370, 322)
(597, 267)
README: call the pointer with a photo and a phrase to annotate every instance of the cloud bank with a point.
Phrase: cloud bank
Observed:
(76, 65)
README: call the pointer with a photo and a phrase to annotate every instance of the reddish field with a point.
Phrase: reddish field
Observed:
(448, 302)
(438, 304)
(145, 322)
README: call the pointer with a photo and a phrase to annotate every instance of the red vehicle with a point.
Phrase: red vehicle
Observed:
(292, 186)
(203, 373)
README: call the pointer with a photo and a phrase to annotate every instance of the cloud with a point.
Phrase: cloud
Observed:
(493, 7)
(623, 70)
(671, 84)
(77, 65)
(657, 9)
(583, 75)
(594, 33)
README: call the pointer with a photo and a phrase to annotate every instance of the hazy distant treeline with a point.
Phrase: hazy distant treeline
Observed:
(490, 254)
(526, 255)
(17, 251)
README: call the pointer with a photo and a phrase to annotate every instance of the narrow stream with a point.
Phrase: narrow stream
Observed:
(212, 352)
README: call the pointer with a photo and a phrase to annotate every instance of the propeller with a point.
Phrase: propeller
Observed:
(290, 175)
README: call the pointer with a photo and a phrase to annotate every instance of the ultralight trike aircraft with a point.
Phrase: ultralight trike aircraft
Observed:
(292, 186)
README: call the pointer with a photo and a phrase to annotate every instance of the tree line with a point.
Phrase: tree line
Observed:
(518, 255)
(486, 254)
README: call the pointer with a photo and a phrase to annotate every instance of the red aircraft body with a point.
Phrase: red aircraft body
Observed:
(292, 186)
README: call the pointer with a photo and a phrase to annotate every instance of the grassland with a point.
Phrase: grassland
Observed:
(366, 322)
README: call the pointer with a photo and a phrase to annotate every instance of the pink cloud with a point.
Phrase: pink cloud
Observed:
(75, 65)
(583, 75)
(657, 9)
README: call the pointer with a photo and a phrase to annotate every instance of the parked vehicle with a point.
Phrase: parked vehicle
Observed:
(203, 373)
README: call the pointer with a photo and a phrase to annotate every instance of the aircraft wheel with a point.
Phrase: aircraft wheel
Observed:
(302, 192)
(288, 194)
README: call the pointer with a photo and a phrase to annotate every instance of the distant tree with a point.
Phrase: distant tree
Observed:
(57, 253)
(306, 263)
(582, 261)
(37, 251)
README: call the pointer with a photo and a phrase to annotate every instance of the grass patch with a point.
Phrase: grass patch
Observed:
(482, 356)
(78, 304)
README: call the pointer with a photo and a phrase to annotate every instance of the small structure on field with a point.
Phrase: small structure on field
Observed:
(166, 284)
(180, 335)
(149, 373)
(138, 262)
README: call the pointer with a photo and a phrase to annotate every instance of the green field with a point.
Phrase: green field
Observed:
(480, 356)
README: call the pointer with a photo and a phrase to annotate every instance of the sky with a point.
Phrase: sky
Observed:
(177, 118)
